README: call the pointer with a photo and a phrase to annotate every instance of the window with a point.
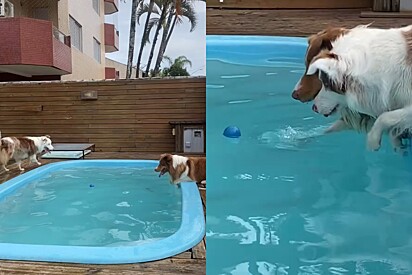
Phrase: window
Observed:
(76, 34)
(97, 51)
(96, 6)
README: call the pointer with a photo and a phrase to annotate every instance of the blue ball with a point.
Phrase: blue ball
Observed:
(91, 185)
(232, 132)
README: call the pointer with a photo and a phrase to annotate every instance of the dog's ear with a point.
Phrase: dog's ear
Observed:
(163, 157)
(326, 61)
(316, 44)
(166, 158)
(322, 41)
(47, 136)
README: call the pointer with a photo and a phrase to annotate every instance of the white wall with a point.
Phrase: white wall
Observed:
(84, 66)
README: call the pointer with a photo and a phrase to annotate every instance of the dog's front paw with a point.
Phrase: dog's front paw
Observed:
(374, 141)
(21, 169)
(38, 163)
(6, 169)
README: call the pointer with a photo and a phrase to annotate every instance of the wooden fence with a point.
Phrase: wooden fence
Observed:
(128, 115)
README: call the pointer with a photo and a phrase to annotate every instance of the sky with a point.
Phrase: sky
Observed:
(183, 42)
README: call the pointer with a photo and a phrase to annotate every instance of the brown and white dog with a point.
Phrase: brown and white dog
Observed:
(182, 169)
(310, 85)
(21, 148)
(6, 152)
(365, 70)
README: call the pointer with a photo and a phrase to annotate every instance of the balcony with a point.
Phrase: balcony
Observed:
(32, 48)
(111, 6)
(111, 73)
(111, 38)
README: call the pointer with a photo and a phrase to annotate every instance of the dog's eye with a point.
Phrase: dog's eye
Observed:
(324, 77)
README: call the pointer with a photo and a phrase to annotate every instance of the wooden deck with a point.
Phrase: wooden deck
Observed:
(289, 22)
(190, 262)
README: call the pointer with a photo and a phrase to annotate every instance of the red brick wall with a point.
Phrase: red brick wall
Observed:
(27, 41)
(36, 38)
(10, 50)
(62, 56)
(110, 37)
(110, 73)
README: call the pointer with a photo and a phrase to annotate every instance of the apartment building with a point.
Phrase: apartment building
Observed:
(116, 69)
(56, 39)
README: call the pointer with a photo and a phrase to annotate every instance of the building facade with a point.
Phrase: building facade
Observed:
(115, 69)
(56, 40)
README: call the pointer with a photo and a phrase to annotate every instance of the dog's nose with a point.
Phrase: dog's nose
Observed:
(295, 95)
(314, 108)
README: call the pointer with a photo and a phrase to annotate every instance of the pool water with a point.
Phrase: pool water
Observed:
(285, 198)
(91, 206)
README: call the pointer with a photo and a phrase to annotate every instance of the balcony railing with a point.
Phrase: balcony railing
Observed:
(61, 36)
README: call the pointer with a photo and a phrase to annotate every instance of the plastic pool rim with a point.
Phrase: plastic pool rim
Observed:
(190, 232)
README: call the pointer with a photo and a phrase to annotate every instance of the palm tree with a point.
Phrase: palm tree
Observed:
(132, 37)
(188, 11)
(177, 66)
(144, 8)
(164, 5)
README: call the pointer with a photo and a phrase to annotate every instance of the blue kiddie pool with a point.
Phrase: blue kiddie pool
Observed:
(98, 212)
(288, 199)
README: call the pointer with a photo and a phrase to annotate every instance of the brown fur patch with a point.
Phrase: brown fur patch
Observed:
(322, 41)
(324, 54)
(310, 85)
(7, 147)
(197, 168)
(408, 38)
(25, 145)
(6, 151)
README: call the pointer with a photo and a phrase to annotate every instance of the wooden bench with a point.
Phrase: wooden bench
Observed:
(73, 147)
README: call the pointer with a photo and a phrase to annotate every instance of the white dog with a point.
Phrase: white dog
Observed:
(21, 148)
(369, 71)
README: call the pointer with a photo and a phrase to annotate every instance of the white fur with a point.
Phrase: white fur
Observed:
(181, 160)
(376, 62)
(327, 101)
(8, 139)
(41, 143)
(178, 160)
(350, 120)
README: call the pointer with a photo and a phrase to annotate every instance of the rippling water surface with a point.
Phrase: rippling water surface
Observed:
(92, 207)
(284, 198)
